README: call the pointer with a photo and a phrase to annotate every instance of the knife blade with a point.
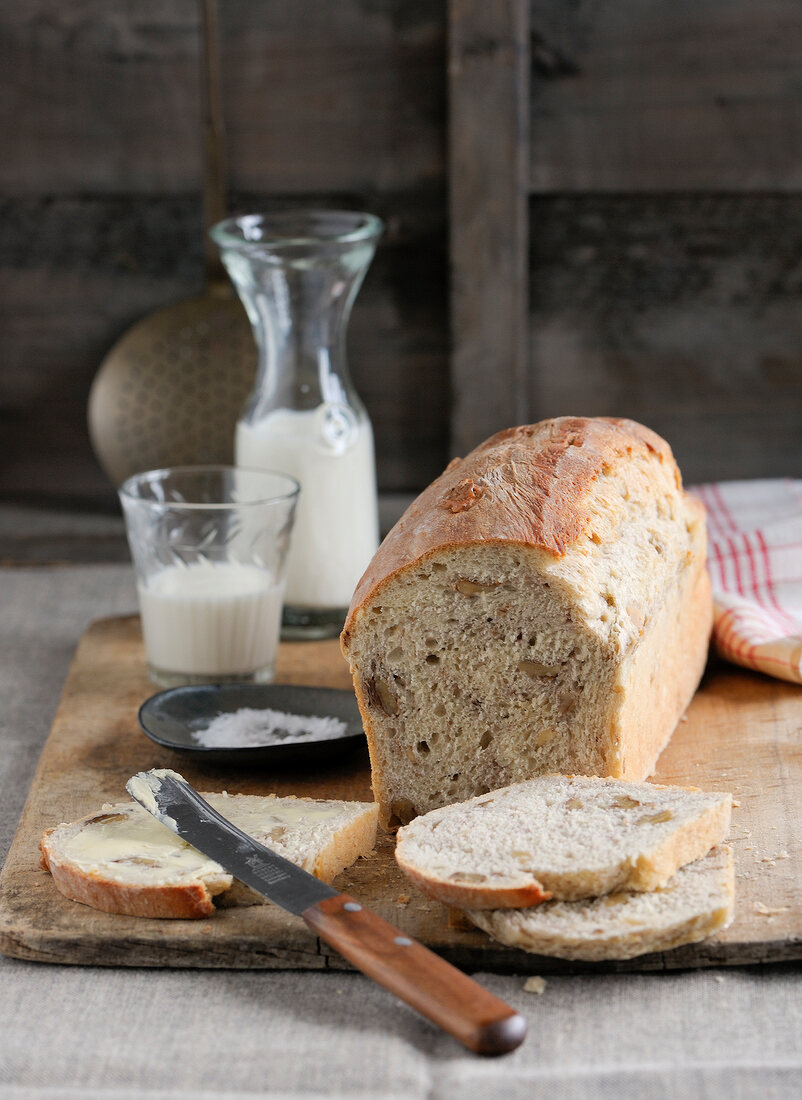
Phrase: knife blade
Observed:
(177, 804)
(477, 1018)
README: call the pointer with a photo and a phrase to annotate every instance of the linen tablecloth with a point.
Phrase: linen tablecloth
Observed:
(114, 1034)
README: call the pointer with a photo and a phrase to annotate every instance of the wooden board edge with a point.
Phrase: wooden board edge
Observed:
(27, 946)
(301, 950)
(12, 855)
(20, 942)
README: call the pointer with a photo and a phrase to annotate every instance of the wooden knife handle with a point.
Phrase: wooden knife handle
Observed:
(439, 991)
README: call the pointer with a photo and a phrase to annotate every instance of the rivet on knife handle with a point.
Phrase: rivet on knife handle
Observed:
(446, 996)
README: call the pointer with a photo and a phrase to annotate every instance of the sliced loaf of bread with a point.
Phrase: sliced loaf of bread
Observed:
(122, 860)
(697, 902)
(542, 607)
(566, 837)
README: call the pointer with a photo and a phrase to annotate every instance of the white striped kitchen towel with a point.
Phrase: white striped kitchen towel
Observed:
(755, 561)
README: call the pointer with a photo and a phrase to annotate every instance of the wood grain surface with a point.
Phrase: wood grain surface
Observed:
(488, 153)
(634, 97)
(100, 117)
(742, 733)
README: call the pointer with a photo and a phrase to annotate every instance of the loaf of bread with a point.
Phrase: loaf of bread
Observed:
(542, 607)
(561, 837)
(694, 904)
(122, 860)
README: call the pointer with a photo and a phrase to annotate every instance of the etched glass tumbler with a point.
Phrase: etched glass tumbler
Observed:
(209, 545)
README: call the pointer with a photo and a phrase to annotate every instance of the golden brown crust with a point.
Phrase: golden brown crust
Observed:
(465, 896)
(557, 498)
(192, 898)
(188, 901)
(44, 863)
(678, 644)
(528, 485)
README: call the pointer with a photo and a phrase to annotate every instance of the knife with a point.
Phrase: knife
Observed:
(446, 996)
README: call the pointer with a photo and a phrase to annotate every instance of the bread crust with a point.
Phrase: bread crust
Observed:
(189, 901)
(677, 643)
(464, 896)
(528, 484)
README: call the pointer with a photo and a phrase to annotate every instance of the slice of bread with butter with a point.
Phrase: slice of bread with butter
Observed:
(120, 859)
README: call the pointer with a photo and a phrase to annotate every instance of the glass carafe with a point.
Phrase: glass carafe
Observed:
(297, 274)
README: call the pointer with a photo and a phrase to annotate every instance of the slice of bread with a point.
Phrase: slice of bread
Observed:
(565, 837)
(697, 902)
(122, 860)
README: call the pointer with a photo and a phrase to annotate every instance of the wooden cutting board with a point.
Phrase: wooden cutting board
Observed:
(743, 733)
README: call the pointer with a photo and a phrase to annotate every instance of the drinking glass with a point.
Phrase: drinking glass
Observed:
(209, 546)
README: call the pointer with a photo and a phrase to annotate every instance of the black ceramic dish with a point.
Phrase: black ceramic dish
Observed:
(170, 717)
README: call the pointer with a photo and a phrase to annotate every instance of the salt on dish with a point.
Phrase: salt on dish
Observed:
(249, 728)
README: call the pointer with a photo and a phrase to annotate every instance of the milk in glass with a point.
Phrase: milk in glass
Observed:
(210, 618)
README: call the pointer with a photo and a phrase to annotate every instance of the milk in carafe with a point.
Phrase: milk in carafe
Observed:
(298, 272)
(330, 452)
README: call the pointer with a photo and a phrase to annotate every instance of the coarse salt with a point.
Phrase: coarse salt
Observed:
(249, 728)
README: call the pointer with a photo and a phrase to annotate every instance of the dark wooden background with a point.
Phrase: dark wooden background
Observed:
(666, 234)
(663, 192)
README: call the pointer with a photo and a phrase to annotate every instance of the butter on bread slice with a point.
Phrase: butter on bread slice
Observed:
(120, 859)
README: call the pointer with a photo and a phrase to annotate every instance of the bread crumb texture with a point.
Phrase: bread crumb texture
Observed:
(122, 860)
(569, 836)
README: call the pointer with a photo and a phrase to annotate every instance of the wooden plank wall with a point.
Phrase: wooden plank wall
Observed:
(650, 95)
(665, 216)
(667, 224)
(666, 212)
(488, 168)
(664, 195)
(340, 104)
(682, 311)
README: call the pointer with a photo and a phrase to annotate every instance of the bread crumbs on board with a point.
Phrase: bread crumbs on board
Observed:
(535, 985)
(764, 910)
